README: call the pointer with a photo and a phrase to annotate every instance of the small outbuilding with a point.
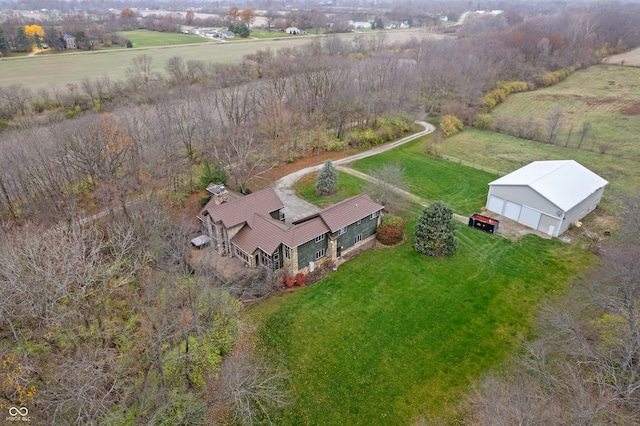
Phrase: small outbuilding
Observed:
(547, 195)
(200, 241)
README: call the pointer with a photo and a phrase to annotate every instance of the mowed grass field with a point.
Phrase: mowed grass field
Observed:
(58, 70)
(607, 96)
(463, 188)
(145, 38)
(395, 337)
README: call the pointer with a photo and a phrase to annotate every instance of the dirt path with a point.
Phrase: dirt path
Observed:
(630, 58)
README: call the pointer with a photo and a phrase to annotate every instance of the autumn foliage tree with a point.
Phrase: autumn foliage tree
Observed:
(435, 231)
(127, 13)
(34, 31)
(248, 17)
(450, 125)
(234, 14)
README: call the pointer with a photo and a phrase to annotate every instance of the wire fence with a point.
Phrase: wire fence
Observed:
(471, 164)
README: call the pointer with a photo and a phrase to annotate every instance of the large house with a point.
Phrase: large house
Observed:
(252, 227)
(547, 195)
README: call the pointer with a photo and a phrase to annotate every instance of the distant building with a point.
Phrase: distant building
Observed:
(69, 41)
(360, 25)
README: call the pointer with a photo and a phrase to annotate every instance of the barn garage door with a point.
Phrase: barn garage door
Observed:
(495, 204)
(512, 210)
(529, 217)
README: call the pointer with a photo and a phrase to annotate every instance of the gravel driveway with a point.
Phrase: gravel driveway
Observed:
(296, 208)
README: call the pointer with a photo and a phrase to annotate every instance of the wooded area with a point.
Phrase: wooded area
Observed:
(109, 322)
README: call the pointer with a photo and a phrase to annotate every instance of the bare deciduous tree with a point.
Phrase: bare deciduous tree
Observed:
(251, 387)
(554, 124)
(389, 178)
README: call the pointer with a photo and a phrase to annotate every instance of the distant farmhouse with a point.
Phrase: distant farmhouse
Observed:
(69, 41)
(547, 195)
(251, 227)
(214, 33)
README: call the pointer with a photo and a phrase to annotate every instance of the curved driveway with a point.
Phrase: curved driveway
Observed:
(296, 208)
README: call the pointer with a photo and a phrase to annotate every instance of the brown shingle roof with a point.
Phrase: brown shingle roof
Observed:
(264, 232)
(243, 209)
(268, 233)
(346, 212)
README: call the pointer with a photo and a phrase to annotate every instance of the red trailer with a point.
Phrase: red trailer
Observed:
(484, 223)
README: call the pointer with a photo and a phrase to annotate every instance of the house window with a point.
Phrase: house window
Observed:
(319, 238)
(342, 231)
(287, 252)
(359, 221)
(319, 254)
(242, 255)
(373, 215)
(358, 238)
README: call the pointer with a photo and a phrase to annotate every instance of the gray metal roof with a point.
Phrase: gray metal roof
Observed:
(565, 183)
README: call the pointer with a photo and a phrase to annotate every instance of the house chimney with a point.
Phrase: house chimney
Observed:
(218, 193)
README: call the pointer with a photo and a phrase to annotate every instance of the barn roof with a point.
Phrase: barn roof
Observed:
(565, 183)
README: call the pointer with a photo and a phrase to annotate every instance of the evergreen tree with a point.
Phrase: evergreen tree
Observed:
(434, 231)
(22, 40)
(240, 29)
(54, 39)
(4, 45)
(327, 180)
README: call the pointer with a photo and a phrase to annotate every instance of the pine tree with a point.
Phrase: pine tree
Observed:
(4, 45)
(22, 40)
(327, 180)
(434, 231)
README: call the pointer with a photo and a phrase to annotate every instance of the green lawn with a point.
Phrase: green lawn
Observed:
(145, 38)
(268, 34)
(348, 186)
(394, 336)
(463, 188)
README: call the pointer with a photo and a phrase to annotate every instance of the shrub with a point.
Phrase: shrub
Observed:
(300, 278)
(212, 174)
(483, 121)
(502, 90)
(204, 200)
(335, 145)
(450, 125)
(290, 281)
(391, 230)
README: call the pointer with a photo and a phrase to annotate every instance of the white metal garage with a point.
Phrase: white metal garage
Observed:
(546, 195)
